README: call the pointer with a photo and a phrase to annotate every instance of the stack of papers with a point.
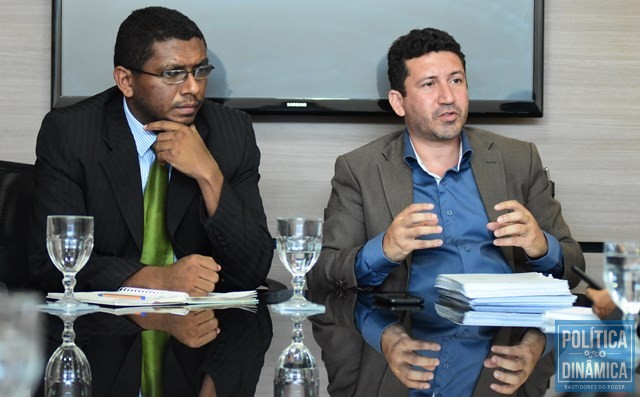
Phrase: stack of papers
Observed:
(571, 314)
(135, 297)
(515, 299)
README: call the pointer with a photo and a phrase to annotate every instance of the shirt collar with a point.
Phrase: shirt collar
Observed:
(144, 139)
(464, 156)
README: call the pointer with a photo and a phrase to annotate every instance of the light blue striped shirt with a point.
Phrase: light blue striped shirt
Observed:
(144, 140)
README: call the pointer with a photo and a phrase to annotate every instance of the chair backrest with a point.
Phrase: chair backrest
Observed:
(16, 195)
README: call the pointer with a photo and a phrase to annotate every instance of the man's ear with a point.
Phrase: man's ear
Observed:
(396, 99)
(124, 80)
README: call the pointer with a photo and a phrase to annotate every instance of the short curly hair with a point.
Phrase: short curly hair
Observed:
(413, 45)
(146, 26)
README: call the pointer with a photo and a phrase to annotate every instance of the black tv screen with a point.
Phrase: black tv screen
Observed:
(316, 57)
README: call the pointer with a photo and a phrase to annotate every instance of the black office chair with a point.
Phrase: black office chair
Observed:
(16, 191)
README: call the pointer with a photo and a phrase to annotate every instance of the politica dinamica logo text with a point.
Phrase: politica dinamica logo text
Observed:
(595, 356)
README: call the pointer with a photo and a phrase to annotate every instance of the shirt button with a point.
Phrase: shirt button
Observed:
(446, 366)
(449, 212)
(466, 248)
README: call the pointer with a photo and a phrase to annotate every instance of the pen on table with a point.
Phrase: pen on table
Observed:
(140, 297)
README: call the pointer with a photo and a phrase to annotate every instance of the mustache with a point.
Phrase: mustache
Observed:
(188, 101)
(447, 109)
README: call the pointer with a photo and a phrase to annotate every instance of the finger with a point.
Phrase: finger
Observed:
(511, 230)
(510, 363)
(415, 379)
(510, 381)
(417, 207)
(514, 217)
(415, 384)
(504, 389)
(422, 218)
(508, 351)
(417, 375)
(162, 125)
(508, 205)
(205, 284)
(421, 361)
(205, 316)
(418, 379)
(420, 231)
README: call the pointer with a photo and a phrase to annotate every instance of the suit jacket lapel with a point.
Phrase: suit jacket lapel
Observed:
(118, 166)
(182, 189)
(488, 171)
(397, 182)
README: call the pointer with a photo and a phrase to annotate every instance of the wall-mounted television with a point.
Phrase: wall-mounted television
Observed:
(316, 57)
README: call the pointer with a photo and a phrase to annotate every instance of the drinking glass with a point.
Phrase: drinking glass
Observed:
(622, 275)
(296, 372)
(68, 372)
(20, 343)
(69, 242)
(298, 243)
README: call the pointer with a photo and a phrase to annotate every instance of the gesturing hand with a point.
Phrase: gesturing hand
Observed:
(515, 363)
(518, 228)
(402, 235)
(400, 352)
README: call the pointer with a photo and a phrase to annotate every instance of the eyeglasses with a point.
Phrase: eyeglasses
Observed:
(178, 76)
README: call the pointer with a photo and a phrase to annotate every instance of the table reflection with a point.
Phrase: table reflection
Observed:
(296, 371)
(197, 361)
(68, 372)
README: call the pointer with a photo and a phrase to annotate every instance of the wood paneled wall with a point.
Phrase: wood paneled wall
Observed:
(589, 136)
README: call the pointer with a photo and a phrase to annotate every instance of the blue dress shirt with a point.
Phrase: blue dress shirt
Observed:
(468, 248)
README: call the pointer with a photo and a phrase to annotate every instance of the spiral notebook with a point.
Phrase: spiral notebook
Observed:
(127, 296)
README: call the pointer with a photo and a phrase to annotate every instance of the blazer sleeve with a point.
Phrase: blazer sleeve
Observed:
(238, 231)
(344, 232)
(548, 213)
(60, 190)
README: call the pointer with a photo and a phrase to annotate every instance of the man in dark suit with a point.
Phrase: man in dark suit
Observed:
(440, 197)
(93, 158)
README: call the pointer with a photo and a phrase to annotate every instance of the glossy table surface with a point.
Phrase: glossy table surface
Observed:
(241, 359)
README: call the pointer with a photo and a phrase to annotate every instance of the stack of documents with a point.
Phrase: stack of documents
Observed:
(515, 299)
(134, 297)
(570, 314)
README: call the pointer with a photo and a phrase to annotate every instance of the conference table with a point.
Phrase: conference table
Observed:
(241, 359)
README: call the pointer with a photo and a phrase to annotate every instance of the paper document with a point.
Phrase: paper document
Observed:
(483, 285)
(127, 296)
(492, 319)
(572, 314)
(512, 299)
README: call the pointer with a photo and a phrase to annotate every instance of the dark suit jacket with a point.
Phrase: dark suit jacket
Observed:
(373, 184)
(87, 164)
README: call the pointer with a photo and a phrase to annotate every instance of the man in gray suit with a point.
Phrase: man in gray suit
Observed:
(93, 158)
(441, 197)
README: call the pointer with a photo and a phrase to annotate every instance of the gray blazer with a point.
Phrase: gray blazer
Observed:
(372, 184)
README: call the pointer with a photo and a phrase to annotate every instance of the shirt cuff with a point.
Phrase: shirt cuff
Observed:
(552, 263)
(371, 266)
(371, 323)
